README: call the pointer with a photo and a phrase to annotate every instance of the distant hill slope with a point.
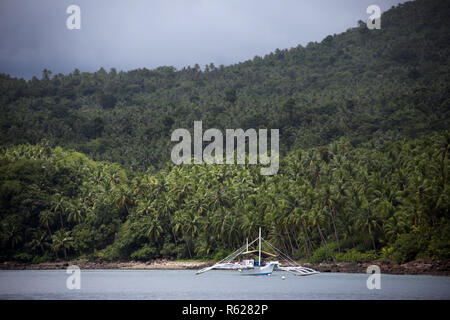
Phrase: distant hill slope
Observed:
(363, 84)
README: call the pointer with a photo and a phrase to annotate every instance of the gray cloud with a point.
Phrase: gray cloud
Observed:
(136, 34)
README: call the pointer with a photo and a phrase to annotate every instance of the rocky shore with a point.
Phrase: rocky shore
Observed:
(126, 265)
(416, 267)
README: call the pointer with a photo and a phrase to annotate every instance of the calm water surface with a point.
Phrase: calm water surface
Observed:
(222, 285)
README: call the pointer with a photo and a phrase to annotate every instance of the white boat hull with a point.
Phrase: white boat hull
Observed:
(258, 271)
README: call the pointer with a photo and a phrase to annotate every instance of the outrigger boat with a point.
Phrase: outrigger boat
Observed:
(251, 267)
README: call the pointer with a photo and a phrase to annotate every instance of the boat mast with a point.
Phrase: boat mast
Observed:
(259, 261)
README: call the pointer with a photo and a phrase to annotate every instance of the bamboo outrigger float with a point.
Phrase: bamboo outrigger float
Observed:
(259, 267)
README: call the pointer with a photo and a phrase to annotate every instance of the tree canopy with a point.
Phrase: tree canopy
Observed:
(363, 119)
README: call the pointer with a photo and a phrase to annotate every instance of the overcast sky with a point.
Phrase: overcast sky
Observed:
(150, 33)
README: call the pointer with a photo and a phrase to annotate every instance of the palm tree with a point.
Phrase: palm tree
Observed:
(189, 223)
(39, 240)
(59, 205)
(154, 228)
(46, 218)
(317, 218)
(297, 221)
(62, 240)
(75, 211)
(12, 233)
(327, 194)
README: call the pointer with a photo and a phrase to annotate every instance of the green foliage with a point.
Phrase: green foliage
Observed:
(23, 257)
(387, 253)
(40, 259)
(363, 167)
(406, 247)
(57, 203)
(230, 95)
(324, 253)
(110, 253)
(361, 84)
(439, 246)
(221, 254)
(332, 203)
(145, 253)
(107, 101)
(169, 251)
(353, 255)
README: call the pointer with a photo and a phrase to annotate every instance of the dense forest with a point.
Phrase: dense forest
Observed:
(334, 202)
(85, 167)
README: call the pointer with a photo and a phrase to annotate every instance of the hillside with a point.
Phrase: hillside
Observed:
(362, 84)
(334, 203)
(363, 119)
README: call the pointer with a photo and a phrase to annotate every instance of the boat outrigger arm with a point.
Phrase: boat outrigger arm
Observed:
(252, 267)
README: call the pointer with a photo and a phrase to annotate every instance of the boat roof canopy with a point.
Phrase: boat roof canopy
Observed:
(262, 252)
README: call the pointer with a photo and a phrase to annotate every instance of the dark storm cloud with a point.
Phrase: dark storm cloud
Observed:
(136, 34)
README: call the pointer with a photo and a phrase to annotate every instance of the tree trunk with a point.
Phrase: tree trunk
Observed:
(290, 242)
(306, 242)
(61, 219)
(189, 250)
(326, 244)
(334, 226)
(296, 241)
(49, 231)
(308, 239)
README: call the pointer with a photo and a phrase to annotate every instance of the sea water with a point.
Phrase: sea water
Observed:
(222, 285)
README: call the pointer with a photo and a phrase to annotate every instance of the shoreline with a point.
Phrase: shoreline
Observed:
(416, 267)
(160, 264)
